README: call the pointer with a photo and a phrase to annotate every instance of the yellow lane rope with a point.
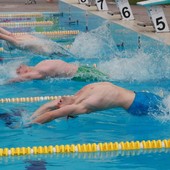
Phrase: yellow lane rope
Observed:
(26, 23)
(21, 15)
(52, 33)
(85, 155)
(29, 99)
(90, 147)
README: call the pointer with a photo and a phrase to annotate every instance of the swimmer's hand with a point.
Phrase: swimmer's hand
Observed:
(10, 81)
(14, 80)
(40, 119)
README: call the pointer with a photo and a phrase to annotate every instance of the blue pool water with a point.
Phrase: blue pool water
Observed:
(131, 65)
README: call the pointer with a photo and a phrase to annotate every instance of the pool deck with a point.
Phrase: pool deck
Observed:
(139, 12)
(19, 6)
(140, 15)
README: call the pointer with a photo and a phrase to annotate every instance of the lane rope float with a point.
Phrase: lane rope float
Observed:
(21, 15)
(90, 147)
(32, 14)
(26, 23)
(30, 99)
(52, 33)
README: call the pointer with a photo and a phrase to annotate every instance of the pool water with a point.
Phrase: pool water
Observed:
(116, 50)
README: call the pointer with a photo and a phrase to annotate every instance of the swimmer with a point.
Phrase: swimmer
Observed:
(96, 97)
(57, 69)
(32, 43)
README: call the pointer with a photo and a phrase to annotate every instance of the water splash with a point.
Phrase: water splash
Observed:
(97, 43)
(8, 70)
(138, 66)
(41, 45)
(164, 117)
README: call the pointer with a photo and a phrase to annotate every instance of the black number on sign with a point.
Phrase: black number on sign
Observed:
(101, 3)
(125, 12)
(161, 23)
(83, 0)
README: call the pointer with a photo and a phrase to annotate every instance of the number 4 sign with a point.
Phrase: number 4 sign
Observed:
(158, 19)
(125, 9)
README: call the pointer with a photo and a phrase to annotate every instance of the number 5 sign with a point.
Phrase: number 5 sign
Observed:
(83, 1)
(158, 19)
(101, 5)
(125, 9)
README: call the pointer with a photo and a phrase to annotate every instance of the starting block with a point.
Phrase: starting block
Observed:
(83, 1)
(156, 14)
(30, 2)
(153, 2)
(101, 4)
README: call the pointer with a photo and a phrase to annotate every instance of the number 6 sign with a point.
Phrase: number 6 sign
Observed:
(158, 19)
(125, 9)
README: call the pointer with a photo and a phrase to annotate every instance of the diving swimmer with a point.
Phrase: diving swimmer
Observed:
(96, 97)
(57, 69)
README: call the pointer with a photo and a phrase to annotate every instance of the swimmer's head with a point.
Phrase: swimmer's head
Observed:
(22, 69)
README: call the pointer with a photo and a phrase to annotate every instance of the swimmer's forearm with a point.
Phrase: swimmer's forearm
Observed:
(19, 79)
(7, 38)
(62, 112)
(52, 105)
(26, 77)
(43, 118)
(43, 109)
(14, 80)
(3, 31)
(39, 112)
(51, 115)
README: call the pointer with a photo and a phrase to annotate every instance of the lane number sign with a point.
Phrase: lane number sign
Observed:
(125, 9)
(158, 19)
(101, 5)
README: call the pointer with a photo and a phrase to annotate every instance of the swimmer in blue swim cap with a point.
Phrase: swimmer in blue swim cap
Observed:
(58, 69)
(96, 97)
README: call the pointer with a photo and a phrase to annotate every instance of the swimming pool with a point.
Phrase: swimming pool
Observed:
(133, 65)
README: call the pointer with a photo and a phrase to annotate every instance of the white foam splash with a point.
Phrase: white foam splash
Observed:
(164, 116)
(8, 70)
(138, 66)
(97, 43)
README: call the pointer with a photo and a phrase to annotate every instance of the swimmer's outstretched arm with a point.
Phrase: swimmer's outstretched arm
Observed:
(8, 38)
(73, 109)
(27, 76)
(52, 105)
(3, 31)
(32, 43)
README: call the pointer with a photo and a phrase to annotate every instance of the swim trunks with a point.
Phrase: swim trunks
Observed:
(86, 73)
(145, 103)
